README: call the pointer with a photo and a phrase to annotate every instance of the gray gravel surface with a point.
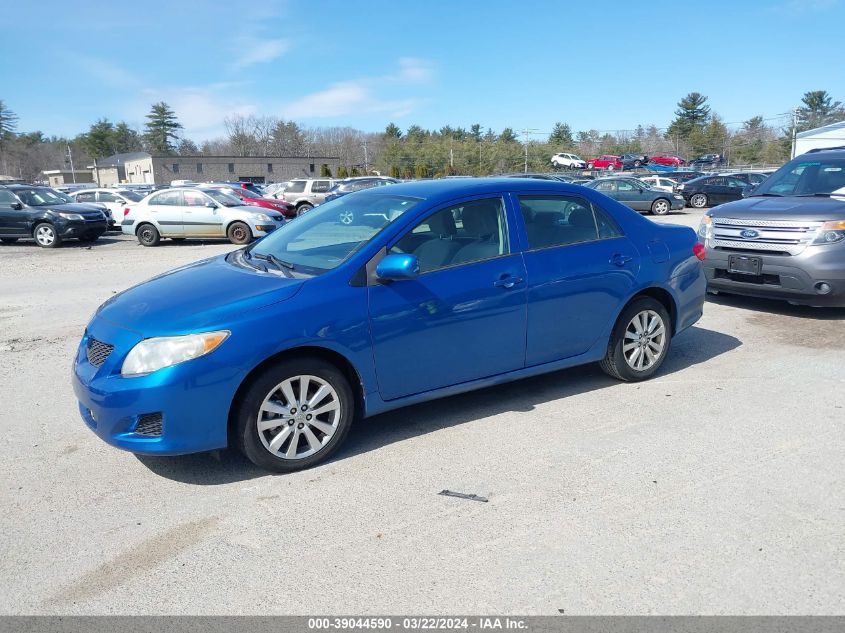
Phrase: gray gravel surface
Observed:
(716, 487)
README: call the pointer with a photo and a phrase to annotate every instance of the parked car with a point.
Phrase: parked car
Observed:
(711, 161)
(252, 199)
(787, 239)
(606, 161)
(752, 178)
(47, 216)
(684, 175)
(709, 191)
(633, 161)
(668, 160)
(306, 193)
(251, 348)
(568, 161)
(637, 195)
(660, 182)
(113, 201)
(201, 212)
(350, 185)
(539, 176)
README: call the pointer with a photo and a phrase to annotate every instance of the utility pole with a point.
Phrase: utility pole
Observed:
(366, 159)
(794, 129)
(70, 158)
(525, 133)
(452, 152)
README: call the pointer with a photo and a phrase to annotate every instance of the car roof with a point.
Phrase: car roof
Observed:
(445, 189)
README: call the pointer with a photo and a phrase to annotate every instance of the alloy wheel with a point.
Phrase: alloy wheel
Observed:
(645, 340)
(699, 201)
(45, 235)
(298, 417)
(660, 207)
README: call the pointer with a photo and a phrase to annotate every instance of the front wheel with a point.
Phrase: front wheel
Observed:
(660, 207)
(303, 208)
(239, 233)
(698, 201)
(637, 164)
(639, 342)
(45, 236)
(294, 415)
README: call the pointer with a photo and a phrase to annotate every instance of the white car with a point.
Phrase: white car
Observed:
(114, 201)
(568, 161)
(660, 182)
(184, 212)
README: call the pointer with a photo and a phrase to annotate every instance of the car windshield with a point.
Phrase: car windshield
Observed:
(226, 199)
(806, 176)
(42, 197)
(325, 237)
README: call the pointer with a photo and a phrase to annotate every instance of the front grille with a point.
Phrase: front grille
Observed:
(783, 237)
(97, 351)
(149, 424)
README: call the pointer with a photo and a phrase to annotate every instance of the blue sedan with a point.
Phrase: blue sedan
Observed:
(433, 288)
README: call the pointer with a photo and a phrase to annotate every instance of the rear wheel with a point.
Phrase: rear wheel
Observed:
(639, 342)
(294, 415)
(660, 206)
(239, 233)
(148, 235)
(45, 236)
(698, 201)
(610, 168)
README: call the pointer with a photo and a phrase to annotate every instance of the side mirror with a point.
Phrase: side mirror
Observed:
(397, 266)
(747, 190)
(210, 205)
(120, 201)
(17, 206)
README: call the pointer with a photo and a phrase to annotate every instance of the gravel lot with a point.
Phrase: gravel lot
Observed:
(717, 487)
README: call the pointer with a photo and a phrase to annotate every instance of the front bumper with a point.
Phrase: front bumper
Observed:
(791, 278)
(677, 204)
(192, 398)
(81, 228)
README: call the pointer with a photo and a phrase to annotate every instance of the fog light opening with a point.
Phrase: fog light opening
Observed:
(822, 288)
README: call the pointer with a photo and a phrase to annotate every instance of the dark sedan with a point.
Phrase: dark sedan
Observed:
(709, 191)
(351, 185)
(47, 216)
(633, 161)
(638, 195)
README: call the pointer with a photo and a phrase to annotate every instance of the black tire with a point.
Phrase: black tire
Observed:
(239, 233)
(303, 208)
(46, 236)
(661, 206)
(615, 363)
(246, 413)
(148, 235)
(8, 240)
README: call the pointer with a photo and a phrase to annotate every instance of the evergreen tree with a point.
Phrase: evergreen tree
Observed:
(342, 172)
(561, 136)
(187, 148)
(475, 132)
(125, 139)
(392, 131)
(162, 129)
(507, 136)
(693, 113)
(819, 109)
(99, 140)
(8, 125)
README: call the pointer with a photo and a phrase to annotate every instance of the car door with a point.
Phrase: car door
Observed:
(199, 220)
(716, 189)
(165, 209)
(13, 215)
(632, 195)
(580, 269)
(734, 188)
(463, 318)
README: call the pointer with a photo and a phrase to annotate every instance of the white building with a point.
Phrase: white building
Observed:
(832, 135)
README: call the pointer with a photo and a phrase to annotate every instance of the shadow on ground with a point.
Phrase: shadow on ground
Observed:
(694, 346)
(777, 307)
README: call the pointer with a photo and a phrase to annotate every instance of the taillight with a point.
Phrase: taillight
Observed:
(125, 211)
(699, 250)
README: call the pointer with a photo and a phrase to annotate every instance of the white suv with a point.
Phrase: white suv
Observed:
(569, 161)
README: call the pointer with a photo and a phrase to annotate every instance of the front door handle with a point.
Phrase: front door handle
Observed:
(507, 282)
(620, 260)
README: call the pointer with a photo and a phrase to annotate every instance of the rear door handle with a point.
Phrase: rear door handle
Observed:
(620, 260)
(507, 282)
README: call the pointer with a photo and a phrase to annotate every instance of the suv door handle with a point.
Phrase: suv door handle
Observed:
(507, 282)
(620, 260)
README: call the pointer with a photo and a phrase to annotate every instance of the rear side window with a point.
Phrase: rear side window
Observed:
(107, 196)
(557, 221)
(320, 186)
(169, 198)
(297, 186)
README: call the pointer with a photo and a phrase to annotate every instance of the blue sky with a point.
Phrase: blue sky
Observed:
(604, 65)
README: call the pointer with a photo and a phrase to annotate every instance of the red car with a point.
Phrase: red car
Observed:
(253, 199)
(607, 161)
(668, 160)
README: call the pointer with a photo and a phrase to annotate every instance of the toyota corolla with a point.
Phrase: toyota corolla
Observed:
(434, 288)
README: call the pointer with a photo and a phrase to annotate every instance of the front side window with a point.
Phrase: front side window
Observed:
(320, 186)
(167, 198)
(194, 199)
(607, 185)
(557, 221)
(459, 234)
(324, 238)
(625, 185)
(86, 196)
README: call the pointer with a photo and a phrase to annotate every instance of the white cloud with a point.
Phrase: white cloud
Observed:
(250, 51)
(415, 70)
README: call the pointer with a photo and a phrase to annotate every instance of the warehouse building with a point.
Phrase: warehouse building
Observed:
(112, 169)
(162, 170)
(832, 135)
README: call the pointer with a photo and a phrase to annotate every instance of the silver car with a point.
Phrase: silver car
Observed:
(185, 212)
(306, 193)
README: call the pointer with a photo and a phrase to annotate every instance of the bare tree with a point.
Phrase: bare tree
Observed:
(240, 130)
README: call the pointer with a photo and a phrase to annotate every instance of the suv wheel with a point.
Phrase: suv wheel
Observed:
(294, 415)
(305, 207)
(45, 235)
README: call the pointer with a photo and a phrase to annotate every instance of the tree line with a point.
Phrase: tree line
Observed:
(418, 152)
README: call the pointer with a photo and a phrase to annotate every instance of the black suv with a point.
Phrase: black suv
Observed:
(633, 161)
(708, 160)
(48, 216)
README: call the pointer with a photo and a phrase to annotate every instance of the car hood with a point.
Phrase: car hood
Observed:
(82, 208)
(786, 208)
(196, 297)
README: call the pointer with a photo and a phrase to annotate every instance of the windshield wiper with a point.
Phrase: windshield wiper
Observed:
(818, 194)
(278, 263)
(766, 195)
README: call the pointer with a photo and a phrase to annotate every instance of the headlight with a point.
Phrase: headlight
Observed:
(71, 216)
(830, 233)
(678, 197)
(705, 229)
(260, 216)
(153, 354)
